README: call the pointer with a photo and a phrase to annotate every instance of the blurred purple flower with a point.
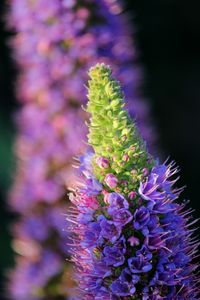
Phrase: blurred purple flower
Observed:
(55, 44)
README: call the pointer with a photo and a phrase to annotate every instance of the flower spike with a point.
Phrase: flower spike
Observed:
(56, 42)
(131, 238)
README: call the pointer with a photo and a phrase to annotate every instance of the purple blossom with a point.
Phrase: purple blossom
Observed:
(93, 187)
(139, 264)
(109, 230)
(34, 274)
(127, 276)
(155, 241)
(92, 236)
(86, 163)
(100, 269)
(116, 201)
(56, 43)
(85, 217)
(122, 217)
(152, 227)
(141, 217)
(145, 252)
(158, 185)
(152, 259)
(122, 288)
(113, 256)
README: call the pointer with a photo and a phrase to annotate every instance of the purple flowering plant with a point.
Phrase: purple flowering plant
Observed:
(137, 242)
(56, 42)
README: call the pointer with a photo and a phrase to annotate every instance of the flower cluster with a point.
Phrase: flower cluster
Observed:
(55, 43)
(129, 244)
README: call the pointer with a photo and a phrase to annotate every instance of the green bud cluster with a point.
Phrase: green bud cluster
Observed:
(112, 133)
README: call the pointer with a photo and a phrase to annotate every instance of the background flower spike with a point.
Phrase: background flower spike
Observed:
(131, 238)
(56, 42)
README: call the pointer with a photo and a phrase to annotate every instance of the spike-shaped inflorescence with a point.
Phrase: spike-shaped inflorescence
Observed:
(56, 42)
(133, 239)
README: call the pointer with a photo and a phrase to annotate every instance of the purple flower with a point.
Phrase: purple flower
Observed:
(34, 274)
(181, 259)
(166, 278)
(92, 187)
(158, 185)
(109, 230)
(149, 189)
(114, 255)
(122, 217)
(103, 294)
(154, 256)
(92, 236)
(100, 269)
(155, 242)
(122, 288)
(152, 227)
(85, 217)
(127, 276)
(86, 163)
(116, 201)
(141, 217)
(144, 251)
(36, 227)
(139, 264)
(164, 207)
(55, 44)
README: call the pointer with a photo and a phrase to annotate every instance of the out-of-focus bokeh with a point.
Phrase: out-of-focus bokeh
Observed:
(168, 38)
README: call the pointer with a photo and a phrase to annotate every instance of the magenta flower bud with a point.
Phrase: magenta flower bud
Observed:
(111, 180)
(125, 157)
(106, 196)
(145, 171)
(132, 195)
(102, 162)
(134, 241)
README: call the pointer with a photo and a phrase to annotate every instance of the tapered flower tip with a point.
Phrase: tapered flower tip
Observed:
(112, 134)
(100, 70)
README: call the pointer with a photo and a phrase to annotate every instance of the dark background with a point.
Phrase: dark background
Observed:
(168, 38)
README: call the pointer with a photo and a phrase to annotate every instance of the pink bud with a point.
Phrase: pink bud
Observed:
(134, 241)
(145, 171)
(102, 162)
(132, 195)
(106, 195)
(125, 157)
(111, 180)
